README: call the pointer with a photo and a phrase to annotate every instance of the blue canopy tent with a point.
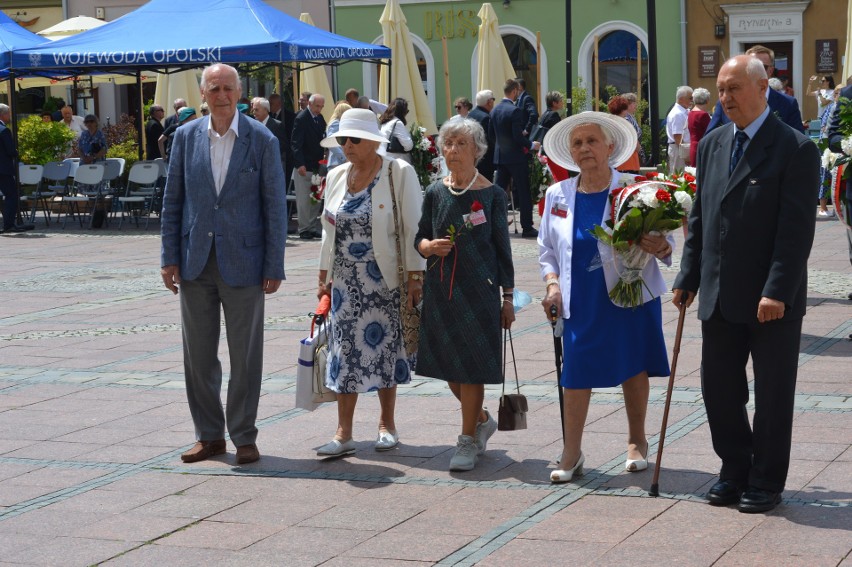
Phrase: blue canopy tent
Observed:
(221, 31)
(14, 37)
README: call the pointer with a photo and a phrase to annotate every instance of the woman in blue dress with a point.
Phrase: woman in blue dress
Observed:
(358, 268)
(605, 344)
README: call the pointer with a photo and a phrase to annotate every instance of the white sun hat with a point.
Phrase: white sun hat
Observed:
(356, 123)
(557, 141)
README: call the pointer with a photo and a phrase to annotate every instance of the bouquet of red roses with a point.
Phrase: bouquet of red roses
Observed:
(655, 207)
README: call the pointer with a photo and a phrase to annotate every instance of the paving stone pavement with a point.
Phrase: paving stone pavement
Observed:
(93, 419)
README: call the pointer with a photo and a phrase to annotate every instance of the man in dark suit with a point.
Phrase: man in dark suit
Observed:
(482, 114)
(223, 235)
(260, 111)
(510, 153)
(308, 132)
(835, 136)
(8, 186)
(153, 130)
(750, 232)
(786, 108)
(526, 103)
(286, 116)
(173, 119)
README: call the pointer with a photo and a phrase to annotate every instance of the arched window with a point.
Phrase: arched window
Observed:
(425, 63)
(520, 45)
(617, 63)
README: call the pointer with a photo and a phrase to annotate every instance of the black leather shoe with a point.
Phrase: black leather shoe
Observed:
(724, 493)
(307, 235)
(529, 233)
(316, 234)
(756, 500)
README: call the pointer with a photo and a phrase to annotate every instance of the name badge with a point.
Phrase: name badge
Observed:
(476, 218)
(330, 217)
(560, 210)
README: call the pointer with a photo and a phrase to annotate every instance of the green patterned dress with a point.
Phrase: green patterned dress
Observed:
(460, 331)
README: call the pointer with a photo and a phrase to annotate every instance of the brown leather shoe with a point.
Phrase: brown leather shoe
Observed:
(247, 454)
(204, 450)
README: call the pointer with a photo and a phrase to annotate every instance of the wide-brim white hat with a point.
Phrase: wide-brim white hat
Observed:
(356, 123)
(557, 141)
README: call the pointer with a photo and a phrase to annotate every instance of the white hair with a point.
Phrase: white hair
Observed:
(314, 97)
(208, 70)
(4, 109)
(776, 85)
(464, 127)
(264, 103)
(683, 91)
(700, 95)
(482, 97)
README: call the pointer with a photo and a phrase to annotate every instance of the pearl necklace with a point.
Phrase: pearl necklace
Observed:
(466, 189)
(608, 183)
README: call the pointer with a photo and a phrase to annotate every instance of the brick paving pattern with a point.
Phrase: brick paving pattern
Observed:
(93, 419)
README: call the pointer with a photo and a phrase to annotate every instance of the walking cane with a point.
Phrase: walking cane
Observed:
(557, 349)
(655, 485)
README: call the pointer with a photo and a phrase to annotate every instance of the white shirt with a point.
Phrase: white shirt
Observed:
(677, 123)
(77, 126)
(221, 148)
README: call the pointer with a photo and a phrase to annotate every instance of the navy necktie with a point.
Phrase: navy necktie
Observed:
(740, 140)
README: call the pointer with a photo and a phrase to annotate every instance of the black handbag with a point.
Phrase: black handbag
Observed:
(395, 146)
(512, 414)
(538, 132)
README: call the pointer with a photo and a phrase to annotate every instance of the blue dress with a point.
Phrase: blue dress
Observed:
(365, 347)
(604, 344)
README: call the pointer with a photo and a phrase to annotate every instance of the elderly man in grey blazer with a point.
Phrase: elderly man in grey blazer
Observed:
(223, 232)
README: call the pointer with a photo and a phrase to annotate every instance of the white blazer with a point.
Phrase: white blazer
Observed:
(409, 199)
(556, 239)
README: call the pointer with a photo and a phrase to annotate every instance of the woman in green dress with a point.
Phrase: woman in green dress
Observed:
(464, 236)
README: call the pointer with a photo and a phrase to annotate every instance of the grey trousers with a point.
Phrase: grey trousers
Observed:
(200, 302)
(308, 211)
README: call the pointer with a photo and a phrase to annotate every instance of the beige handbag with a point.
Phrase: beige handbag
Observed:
(410, 317)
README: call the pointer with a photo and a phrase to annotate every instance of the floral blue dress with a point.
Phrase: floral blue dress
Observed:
(365, 347)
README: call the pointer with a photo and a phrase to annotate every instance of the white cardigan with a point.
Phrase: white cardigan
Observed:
(556, 239)
(409, 198)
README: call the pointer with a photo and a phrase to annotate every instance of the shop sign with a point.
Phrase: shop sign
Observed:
(767, 24)
(826, 56)
(451, 23)
(708, 60)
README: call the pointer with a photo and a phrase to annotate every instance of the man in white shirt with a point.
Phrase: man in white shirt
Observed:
(74, 123)
(677, 130)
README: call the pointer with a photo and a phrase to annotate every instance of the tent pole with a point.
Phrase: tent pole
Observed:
(141, 113)
(296, 87)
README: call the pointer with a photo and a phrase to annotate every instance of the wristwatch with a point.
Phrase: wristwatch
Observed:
(415, 277)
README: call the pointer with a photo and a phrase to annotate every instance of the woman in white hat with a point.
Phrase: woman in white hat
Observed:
(358, 268)
(604, 344)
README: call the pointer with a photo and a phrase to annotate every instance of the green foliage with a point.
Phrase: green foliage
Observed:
(40, 142)
(129, 150)
(579, 97)
(146, 110)
(52, 104)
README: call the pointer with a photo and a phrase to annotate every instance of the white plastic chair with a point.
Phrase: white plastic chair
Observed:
(30, 179)
(141, 192)
(87, 182)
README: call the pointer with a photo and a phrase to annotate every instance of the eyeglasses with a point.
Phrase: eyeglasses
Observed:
(458, 107)
(343, 139)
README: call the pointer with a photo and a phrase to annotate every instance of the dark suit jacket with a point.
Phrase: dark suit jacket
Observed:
(277, 129)
(170, 120)
(507, 125)
(8, 153)
(750, 234)
(486, 164)
(307, 135)
(835, 135)
(786, 108)
(527, 104)
(153, 131)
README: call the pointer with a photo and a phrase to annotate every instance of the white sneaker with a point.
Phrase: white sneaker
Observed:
(465, 457)
(825, 214)
(484, 431)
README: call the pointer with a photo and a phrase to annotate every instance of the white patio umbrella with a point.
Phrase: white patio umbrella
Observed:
(405, 81)
(70, 26)
(315, 79)
(494, 67)
(182, 84)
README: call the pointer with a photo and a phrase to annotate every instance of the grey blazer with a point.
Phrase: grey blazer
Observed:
(246, 220)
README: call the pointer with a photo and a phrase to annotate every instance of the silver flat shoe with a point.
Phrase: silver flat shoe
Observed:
(387, 440)
(336, 448)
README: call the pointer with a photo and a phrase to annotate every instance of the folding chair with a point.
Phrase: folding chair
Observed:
(87, 189)
(30, 178)
(141, 191)
(54, 184)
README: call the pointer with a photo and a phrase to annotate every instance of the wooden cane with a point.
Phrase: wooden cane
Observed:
(655, 485)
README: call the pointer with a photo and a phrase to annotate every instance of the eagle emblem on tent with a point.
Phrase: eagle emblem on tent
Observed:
(294, 51)
(35, 59)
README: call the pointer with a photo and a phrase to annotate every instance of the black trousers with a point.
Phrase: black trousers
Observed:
(519, 174)
(10, 200)
(758, 454)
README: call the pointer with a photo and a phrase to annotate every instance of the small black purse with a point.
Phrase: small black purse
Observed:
(512, 414)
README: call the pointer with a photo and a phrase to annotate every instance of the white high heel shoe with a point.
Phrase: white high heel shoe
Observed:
(636, 465)
(561, 476)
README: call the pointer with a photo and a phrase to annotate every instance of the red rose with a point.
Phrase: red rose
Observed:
(641, 178)
(692, 186)
(688, 177)
(663, 195)
(476, 206)
(652, 175)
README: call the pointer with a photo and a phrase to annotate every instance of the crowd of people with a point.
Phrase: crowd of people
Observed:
(390, 245)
